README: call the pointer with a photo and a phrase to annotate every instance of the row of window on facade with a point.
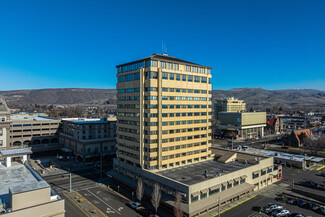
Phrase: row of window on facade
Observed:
(165, 76)
(154, 141)
(162, 64)
(214, 190)
(164, 89)
(154, 115)
(177, 98)
(164, 106)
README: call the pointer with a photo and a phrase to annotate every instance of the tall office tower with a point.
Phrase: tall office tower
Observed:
(228, 105)
(163, 113)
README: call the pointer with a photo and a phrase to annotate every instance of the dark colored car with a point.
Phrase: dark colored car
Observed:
(313, 205)
(291, 200)
(146, 213)
(301, 203)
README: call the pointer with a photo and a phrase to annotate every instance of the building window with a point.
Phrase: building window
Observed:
(197, 79)
(203, 80)
(121, 78)
(187, 68)
(236, 183)
(190, 78)
(229, 185)
(178, 77)
(194, 199)
(171, 76)
(223, 187)
(242, 181)
(255, 175)
(269, 170)
(169, 66)
(175, 66)
(215, 191)
(194, 69)
(162, 64)
(203, 195)
(183, 77)
(165, 75)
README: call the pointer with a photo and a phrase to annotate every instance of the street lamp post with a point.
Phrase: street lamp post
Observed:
(218, 200)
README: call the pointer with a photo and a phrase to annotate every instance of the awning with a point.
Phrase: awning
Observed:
(204, 191)
(264, 169)
(243, 177)
(224, 183)
(229, 182)
(214, 187)
(195, 194)
(237, 179)
(269, 168)
(256, 173)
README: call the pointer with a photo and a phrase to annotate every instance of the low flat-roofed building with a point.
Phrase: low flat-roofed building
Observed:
(228, 177)
(242, 125)
(291, 160)
(38, 133)
(23, 192)
(89, 137)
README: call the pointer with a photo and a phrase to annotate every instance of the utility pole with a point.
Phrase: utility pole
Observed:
(218, 206)
(70, 181)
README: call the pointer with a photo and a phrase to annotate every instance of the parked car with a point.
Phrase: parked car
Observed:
(322, 209)
(291, 200)
(281, 212)
(313, 205)
(270, 207)
(301, 203)
(135, 205)
(147, 213)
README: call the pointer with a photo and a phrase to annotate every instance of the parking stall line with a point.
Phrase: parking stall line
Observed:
(103, 202)
(92, 204)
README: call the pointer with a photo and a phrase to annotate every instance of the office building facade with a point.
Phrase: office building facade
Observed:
(4, 124)
(228, 105)
(89, 138)
(163, 113)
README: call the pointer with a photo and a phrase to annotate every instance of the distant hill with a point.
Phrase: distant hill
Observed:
(307, 99)
(61, 96)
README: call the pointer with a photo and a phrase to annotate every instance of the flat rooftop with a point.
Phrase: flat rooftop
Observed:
(13, 152)
(90, 120)
(195, 173)
(19, 179)
(28, 118)
(285, 156)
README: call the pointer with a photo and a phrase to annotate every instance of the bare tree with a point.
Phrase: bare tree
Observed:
(156, 196)
(140, 189)
(315, 145)
(178, 208)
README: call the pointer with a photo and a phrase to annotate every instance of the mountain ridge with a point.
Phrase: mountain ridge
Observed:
(258, 98)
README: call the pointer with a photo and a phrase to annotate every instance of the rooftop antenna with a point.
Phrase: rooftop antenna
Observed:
(164, 49)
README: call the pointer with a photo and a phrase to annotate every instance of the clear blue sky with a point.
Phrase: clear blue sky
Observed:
(272, 44)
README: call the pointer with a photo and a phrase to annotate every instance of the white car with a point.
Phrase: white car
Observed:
(322, 209)
(270, 207)
(281, 212)
(135, 205)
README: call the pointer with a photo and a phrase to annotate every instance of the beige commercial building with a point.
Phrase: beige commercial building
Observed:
(242, 125)
(164, 137)
(38, 133)
(89, 138)
(163, 113)
(228, 105)
(4, 124)
(23, 192)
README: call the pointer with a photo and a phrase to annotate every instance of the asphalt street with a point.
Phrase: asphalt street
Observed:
(108, 202)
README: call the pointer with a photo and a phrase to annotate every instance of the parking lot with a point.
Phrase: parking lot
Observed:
(253, 206)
